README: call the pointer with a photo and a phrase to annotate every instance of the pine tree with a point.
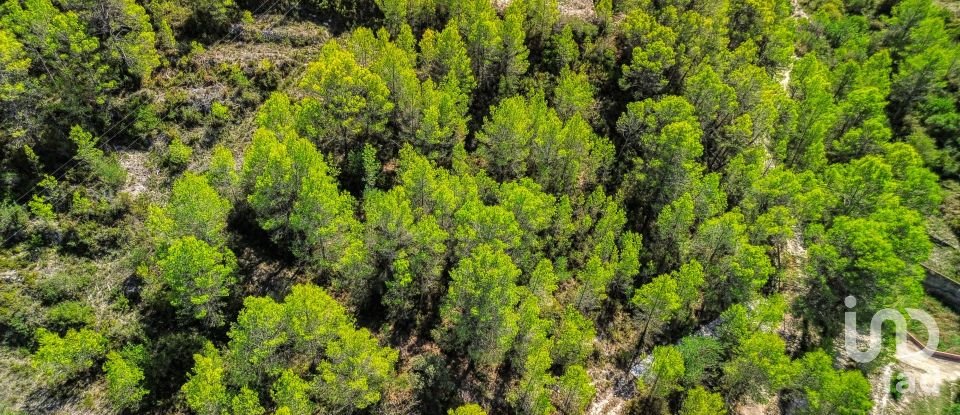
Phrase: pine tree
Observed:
(657, 302)
(758, 369)
(574, 391)
(479, 312)
(345, 102)
(355, 371)
(199, 276)
(664, 374)
(194, 209)
(205, 391)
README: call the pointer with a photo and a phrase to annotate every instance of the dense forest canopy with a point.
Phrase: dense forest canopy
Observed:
(468, 206)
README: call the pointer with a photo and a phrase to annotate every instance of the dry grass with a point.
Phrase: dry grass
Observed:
(947, 320)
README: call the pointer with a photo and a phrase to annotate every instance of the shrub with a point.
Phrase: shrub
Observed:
(98, 166)
(178, 154)
(62, 286)
(222, 172)
(70, 314)
(898, 385)
(125, 377)
(13, 221)
(18, 314)
(219, 113)
(59, 359)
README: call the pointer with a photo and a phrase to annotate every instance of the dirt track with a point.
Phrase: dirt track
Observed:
(927, 374)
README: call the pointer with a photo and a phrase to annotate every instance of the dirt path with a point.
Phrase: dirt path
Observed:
(795, 249)
(609, 403)
(613, 391)
(879, 394)
(926, 374)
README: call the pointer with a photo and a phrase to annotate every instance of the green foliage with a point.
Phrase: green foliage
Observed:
(83, 77)
(468, 409)
(414, 248)
(292, 393)
(565, 49)
(222, 171)
(70, 314)
(664, 374)
(14, 63)
(213, 16)
(664, 143)
(532, 353)
(758, 369)
(351, 371)
(572, 338)
(656, 302)
(296, 199)
(574, 390)
(194, 209)
(478, 312)
(699, 401)
(129, 37)
(344, 101)
(199, 277)
(247, 403)
(701, 358)
(897, 379)
(59, 359)
(445, 58)
(13, 220)
(735, 268)
(219, 112)
(561, 156)
(204, 391)
(506, 138)
(473, 182)
(125, 377)
(882, 266)
(816, 114)
(740, 322)
(178, 154)
(443, 119)
(574, 95)
(322, 218)
(101, 167)
(356, 371)
(831, 391)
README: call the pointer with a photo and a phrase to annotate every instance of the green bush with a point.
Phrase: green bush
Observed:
(59, 359)
(70, 314)
(147, 119)
(178, 154)
(109, 170)
(898, 385)
(62, 286)
(213, 16)
(91, 237)
(98, 166)
(19, 315)
(219, 113)
(191, 116)
(125, 377)
(13, 221)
